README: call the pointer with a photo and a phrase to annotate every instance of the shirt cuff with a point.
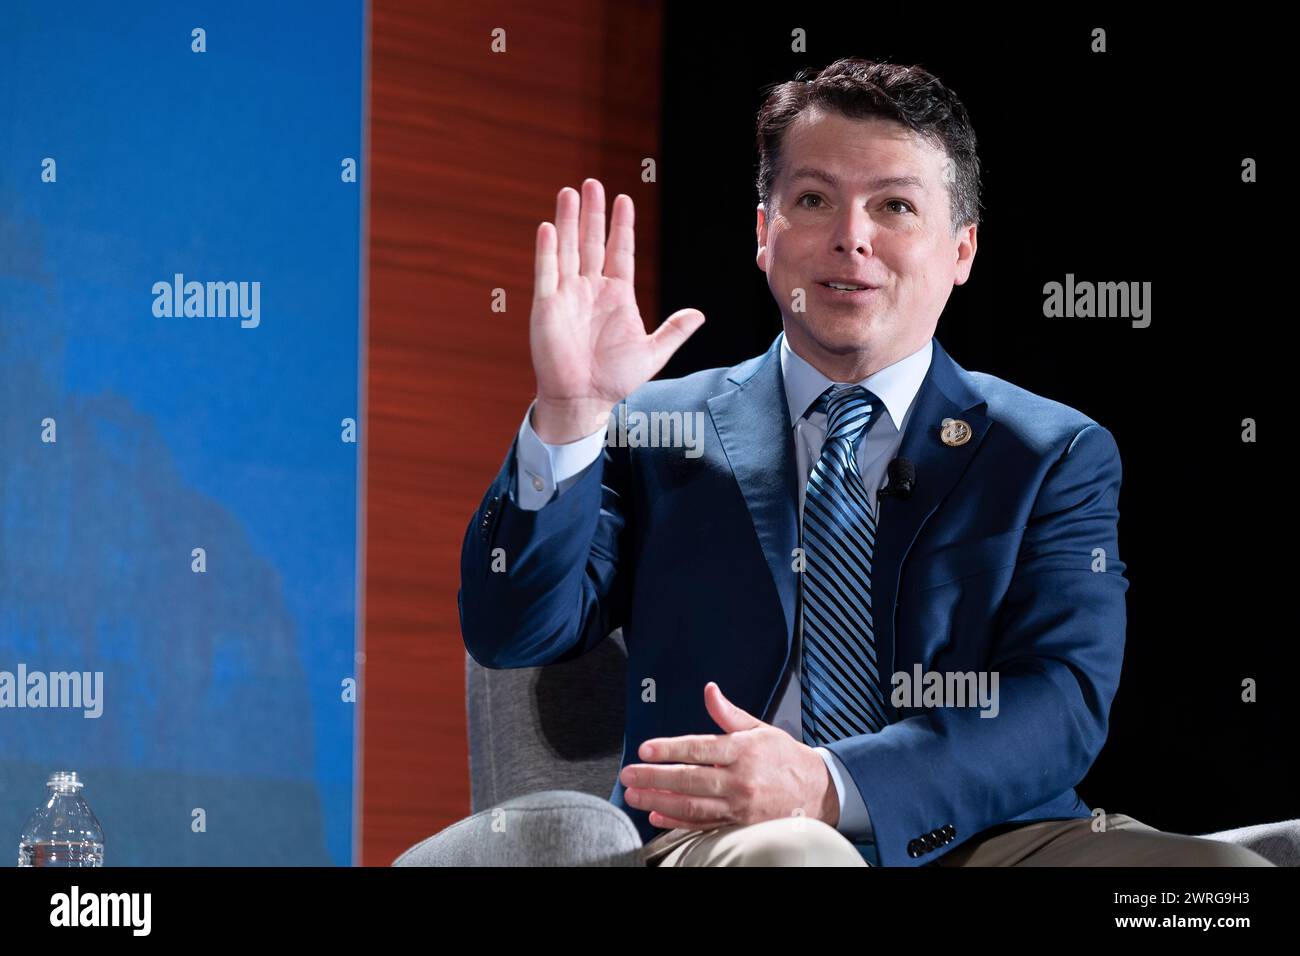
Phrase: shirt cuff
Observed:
(542, 470)
(855, 821)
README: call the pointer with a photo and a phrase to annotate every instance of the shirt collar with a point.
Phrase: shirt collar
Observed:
(895, 385)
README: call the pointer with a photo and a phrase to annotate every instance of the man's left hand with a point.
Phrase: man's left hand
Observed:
(749, 773)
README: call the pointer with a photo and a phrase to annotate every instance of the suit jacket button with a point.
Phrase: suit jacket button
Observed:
(914, 849)
(485, 526)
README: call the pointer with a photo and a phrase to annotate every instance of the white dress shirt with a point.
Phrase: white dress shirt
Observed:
(543, 470)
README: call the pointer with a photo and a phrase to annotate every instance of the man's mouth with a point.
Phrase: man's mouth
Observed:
(847, 288)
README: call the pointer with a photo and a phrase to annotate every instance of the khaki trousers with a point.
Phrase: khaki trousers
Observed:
(796, 841)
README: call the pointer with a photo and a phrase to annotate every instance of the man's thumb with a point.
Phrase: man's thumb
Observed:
(675, 330)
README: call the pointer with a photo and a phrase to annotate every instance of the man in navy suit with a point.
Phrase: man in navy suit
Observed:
(904, 575)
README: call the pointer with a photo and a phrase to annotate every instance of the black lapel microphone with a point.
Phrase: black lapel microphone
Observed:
(902, 479)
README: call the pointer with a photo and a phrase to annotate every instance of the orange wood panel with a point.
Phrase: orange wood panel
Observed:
(467, 150)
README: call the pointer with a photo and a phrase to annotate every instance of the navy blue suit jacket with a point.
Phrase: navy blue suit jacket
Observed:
(1004, 558)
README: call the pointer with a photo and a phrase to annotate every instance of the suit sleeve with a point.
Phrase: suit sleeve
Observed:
(548, 470)
(545, 585)
(1058, 644)
(854, 821)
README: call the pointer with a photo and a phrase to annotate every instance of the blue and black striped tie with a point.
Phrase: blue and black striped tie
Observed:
(841, 694)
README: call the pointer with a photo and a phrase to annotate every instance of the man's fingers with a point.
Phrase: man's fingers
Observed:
(679, 806)
(620, 260)
(706, 781)
(545, 275)
(675, 330)
(704, 749)
(591, 230)
(566, 230)
(672, 823)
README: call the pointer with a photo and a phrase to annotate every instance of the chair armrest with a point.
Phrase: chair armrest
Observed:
(547, 828)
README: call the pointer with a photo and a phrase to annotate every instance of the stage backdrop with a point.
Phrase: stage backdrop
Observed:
(178, 461)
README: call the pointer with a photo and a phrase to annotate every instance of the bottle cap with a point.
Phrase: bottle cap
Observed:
(64, 779)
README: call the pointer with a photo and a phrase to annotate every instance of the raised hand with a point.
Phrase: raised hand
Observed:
(589, 347)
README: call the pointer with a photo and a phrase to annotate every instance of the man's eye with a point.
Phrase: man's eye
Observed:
(811, 196)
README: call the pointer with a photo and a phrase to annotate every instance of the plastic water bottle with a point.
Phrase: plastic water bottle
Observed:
(63, 832)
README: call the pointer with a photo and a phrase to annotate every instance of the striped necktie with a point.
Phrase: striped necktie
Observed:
(840, 687)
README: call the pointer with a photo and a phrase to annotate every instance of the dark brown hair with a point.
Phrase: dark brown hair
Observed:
(859, 88)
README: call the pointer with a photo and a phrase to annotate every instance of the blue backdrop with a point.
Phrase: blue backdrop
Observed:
(223, 690)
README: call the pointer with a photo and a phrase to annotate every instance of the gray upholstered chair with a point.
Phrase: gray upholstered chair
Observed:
(544, 749)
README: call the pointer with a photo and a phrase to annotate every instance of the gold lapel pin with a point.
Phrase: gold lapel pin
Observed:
(954, 432)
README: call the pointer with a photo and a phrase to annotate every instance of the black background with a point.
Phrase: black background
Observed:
(1118, 166)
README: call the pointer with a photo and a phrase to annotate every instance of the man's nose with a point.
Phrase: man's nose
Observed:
(854, 231)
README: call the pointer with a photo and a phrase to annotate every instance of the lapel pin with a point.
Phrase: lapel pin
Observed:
(954, 432)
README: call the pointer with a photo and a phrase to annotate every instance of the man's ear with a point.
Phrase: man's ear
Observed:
(966, 242)
(760, 234)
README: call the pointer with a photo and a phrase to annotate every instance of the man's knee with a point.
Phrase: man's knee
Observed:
(1171, 849)
(1155, 847)
(1218, 853)
(798, 842)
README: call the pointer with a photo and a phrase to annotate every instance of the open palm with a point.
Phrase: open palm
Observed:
(589, 346)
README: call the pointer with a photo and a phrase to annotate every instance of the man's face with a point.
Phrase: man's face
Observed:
(894, 236)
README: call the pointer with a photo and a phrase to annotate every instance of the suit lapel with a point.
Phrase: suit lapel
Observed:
(753, 425)
(945, 393)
